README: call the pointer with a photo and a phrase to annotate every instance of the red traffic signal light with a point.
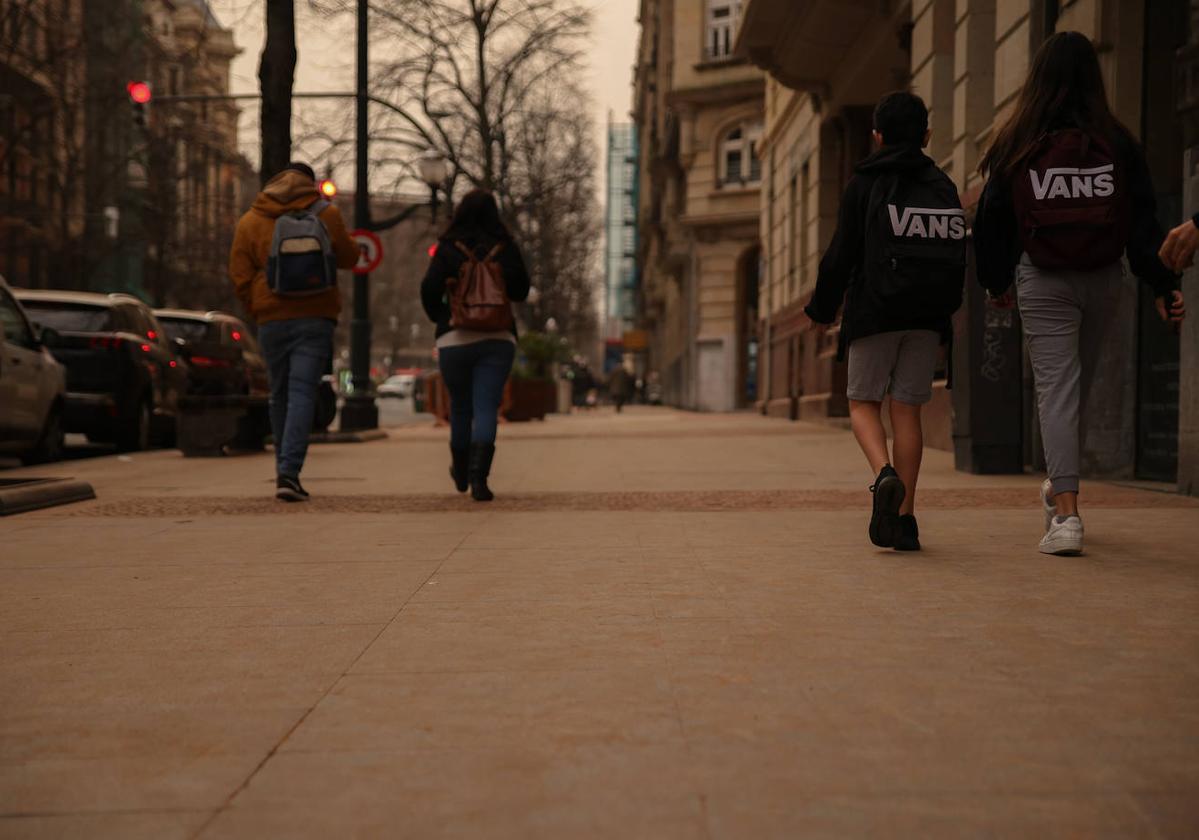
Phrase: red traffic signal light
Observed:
(327, 187)
(139, 92)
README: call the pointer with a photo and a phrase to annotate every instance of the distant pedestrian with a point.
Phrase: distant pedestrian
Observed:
(284, 263)
(620, 387)
(476, 273)
(897, 262)
(1069, 195)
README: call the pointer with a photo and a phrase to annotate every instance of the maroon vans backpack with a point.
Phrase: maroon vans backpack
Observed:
(478, 295)
(1072, 203)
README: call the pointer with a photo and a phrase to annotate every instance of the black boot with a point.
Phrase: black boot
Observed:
(460, 468)
(480, 467)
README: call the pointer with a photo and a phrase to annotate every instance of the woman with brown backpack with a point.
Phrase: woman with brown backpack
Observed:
(1069, 196)
(476, 273)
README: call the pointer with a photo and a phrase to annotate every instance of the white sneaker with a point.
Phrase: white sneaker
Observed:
(1063, 537)
(1047, 503)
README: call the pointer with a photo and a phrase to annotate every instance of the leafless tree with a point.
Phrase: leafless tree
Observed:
(491, 85)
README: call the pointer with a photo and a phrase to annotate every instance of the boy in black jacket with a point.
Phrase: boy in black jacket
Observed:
(896, 262)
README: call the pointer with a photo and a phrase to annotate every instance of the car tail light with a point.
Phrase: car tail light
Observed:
(208, 362)
(236, 335)
(174, 363)
(151, 335)
(145, 348)
(102, 342)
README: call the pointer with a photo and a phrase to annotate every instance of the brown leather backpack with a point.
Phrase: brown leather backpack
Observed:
(478, 295)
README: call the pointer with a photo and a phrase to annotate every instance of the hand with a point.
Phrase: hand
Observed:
(1004, 301)
(815, 328)
(1178, 251)
(1177, 312)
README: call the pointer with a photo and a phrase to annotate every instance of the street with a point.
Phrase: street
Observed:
(667, 625)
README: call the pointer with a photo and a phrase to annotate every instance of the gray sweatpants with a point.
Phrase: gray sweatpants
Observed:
(1067, 315)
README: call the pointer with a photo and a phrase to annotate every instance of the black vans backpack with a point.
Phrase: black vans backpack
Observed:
(1072, 203)
(914, 264)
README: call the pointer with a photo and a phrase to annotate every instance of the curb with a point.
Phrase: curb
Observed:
(23, 495)
(364, 436)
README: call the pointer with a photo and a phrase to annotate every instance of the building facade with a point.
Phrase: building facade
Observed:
(42, 131)
(828, 63)
(197, 178)
(699, 111)
(620, 232)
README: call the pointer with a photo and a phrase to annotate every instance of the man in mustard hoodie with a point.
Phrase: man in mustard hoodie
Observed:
(296, 333)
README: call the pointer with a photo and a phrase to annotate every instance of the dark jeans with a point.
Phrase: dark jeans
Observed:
(475, 375)
(297, 352)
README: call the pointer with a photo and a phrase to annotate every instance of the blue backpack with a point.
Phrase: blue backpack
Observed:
(301, 260)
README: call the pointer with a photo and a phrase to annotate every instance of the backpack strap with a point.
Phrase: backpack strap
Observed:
(461, 246)
(494, 252)
(319, 206)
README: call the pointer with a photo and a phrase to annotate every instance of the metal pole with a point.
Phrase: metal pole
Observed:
(360, 410)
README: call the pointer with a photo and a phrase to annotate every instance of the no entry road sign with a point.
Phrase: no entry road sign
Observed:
(371, 251)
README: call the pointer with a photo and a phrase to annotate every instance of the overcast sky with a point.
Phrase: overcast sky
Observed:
(327, 58)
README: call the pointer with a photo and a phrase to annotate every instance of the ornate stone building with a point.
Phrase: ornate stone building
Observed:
(42, 91)
(197, 185)
(698, 110)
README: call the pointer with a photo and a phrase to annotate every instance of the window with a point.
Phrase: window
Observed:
(12, 323)
(69, 317)
(721, 30)
(739, 161)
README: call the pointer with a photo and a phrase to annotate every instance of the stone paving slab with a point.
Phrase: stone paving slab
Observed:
(546, 667)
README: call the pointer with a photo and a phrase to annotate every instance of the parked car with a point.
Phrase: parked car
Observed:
(124, 378)
(32, 386)
(223, 358)
(400, 385)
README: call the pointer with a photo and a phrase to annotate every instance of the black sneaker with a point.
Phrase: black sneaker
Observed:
(888, 496)
(908, 538)
(289, 490)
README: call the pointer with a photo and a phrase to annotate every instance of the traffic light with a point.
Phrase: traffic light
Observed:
(328, 188)
(140, 95)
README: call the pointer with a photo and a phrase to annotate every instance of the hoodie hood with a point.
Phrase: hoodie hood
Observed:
(288, 191)
(894, 159)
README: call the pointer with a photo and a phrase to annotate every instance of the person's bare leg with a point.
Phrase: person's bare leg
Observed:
(908, 447)
(867, 421)
(1066, 503)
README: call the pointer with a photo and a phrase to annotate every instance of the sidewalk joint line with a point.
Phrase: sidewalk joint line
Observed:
(275, 749)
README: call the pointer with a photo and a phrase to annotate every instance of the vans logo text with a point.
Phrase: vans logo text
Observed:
(1071, 182)
(928, 222)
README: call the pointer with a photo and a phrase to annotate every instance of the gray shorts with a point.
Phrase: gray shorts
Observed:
(901, 363)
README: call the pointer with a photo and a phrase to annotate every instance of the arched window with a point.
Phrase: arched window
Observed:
(720, 32)
(739, 162)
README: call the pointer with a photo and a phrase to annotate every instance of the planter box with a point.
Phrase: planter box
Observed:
(530, 399)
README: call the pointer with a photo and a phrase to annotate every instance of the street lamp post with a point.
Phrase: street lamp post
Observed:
(360, 410)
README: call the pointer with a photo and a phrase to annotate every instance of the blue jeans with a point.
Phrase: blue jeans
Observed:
(297, 354)
(475, 375)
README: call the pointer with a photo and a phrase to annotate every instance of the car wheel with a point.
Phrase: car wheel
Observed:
(134, 434)
(50, 446)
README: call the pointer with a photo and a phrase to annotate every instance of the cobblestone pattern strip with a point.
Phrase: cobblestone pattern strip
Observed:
(682, 501)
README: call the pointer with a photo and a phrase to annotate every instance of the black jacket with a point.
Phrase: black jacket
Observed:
(997, 238)
(448, 260)
(841, 276)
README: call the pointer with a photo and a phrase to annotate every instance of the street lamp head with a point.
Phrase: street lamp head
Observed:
(433, 168)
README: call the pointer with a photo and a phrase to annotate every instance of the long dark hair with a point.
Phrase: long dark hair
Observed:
(477, 216)
(1064, 89)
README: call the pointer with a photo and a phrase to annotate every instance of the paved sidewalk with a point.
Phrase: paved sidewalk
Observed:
(668, 625)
